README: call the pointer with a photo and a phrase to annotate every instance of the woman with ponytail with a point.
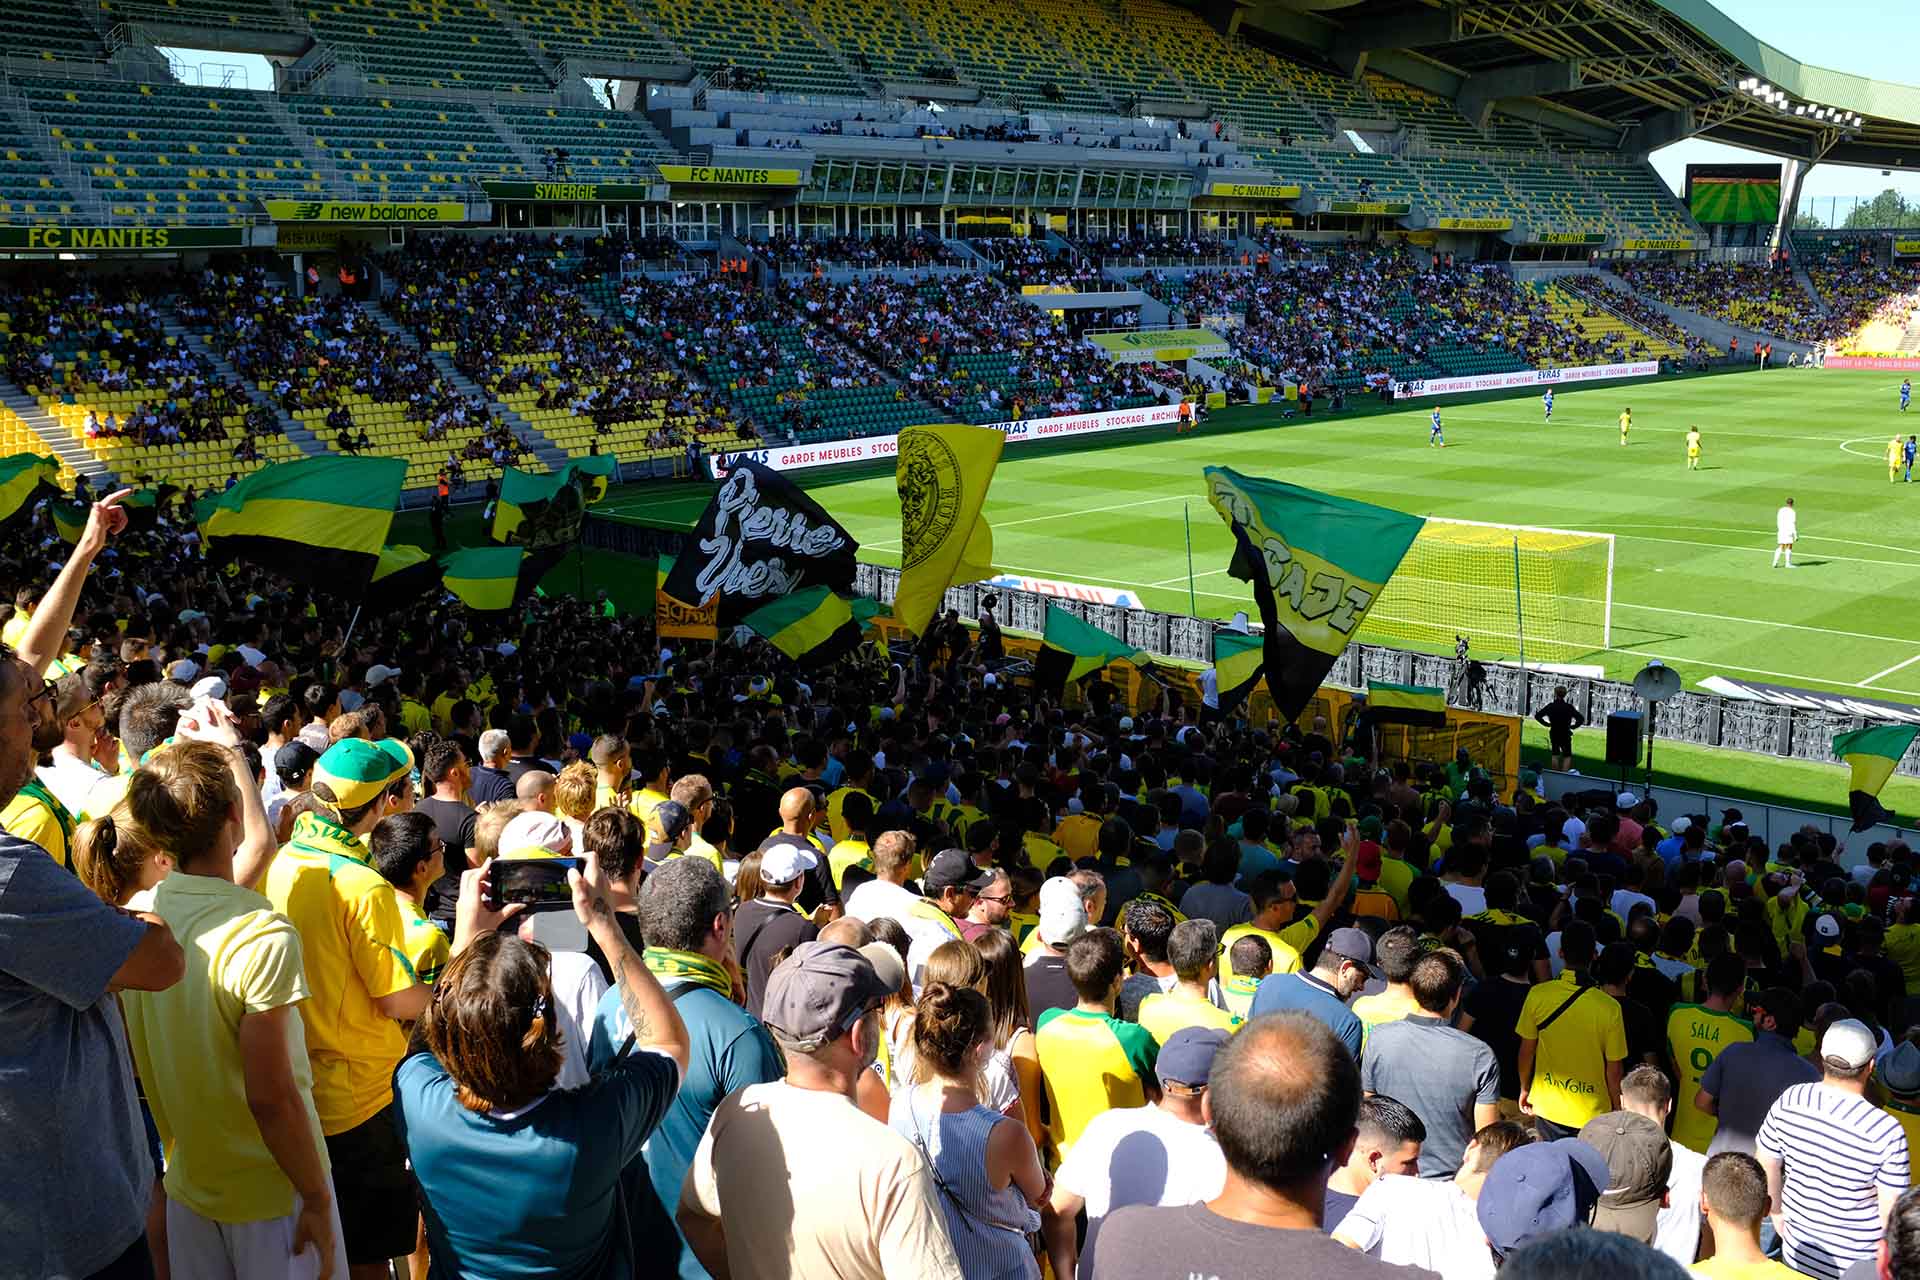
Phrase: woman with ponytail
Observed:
(984, 1163)
(114, 859)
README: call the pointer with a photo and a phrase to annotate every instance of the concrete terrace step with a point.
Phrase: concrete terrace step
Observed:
(196, 342)
(65, 447)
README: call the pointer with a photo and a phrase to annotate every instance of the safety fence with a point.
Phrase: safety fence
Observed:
(1492, 689)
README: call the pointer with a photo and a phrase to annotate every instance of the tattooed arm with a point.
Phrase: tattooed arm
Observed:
(656, 1022)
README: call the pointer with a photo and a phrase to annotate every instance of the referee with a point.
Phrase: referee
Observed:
(1561, 718)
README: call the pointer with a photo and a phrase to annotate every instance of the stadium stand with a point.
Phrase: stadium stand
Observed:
(54, 31)
(398, 150)
(171, 153)
(783, 51)
(608, 31)
(442, 43)
(1754, 296)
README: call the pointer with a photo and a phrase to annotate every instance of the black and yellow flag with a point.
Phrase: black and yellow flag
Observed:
(1872, 754)
(942, 474)
(69, 518)
(320, 521)
(1317, 563)
(24, 477)
(595, 472)
(1071, 650)
(144, 506)
(1237, 663)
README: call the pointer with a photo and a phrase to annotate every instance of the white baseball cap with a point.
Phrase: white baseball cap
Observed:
(1063, 912)
(1626, 799)
(186, 671)
(786, 862)
(535, 831)
(1682, 825)
(210, 687)
(378, 674)
(1848, 1044)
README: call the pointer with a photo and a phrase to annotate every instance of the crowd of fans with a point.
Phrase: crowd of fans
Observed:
(1634, 309)
(1024, 261)
(814, 252)
(1142, 250)
(970, 346)
(1754, 296)
(80, 335)
(887, 968)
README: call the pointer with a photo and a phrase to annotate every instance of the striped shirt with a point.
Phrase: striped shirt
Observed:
(1838, 1149)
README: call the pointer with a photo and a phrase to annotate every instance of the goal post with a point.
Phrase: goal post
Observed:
(1511, 590)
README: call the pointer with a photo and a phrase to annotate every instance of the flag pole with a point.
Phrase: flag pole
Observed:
(346, 641)
(1186, 518)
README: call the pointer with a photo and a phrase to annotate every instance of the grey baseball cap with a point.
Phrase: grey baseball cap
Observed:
(816, 994)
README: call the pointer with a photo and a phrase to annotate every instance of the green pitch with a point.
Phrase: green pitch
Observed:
(1735, 200)
(1692, 582)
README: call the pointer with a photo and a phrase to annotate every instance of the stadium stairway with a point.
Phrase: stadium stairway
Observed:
(1805, 281)
(551, 456)
(1709, 329)
(521, 151)
(73, 455)
(317, 158)
(196, 341)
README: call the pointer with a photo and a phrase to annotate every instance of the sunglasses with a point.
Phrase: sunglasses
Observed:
(993, 897)
(46, 695)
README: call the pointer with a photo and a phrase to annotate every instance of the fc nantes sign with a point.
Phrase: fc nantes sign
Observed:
(1569, 237)
(364, 212)
(1656, 244)
(697, 175)
(1253, 191)
(121, 239)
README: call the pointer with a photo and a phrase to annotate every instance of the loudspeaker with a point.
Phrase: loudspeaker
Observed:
(1623, 739)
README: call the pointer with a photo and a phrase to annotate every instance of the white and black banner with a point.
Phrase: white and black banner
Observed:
(759, 539)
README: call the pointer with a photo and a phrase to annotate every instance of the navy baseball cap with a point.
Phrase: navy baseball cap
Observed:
(1535, 1190)
(1187, 1056)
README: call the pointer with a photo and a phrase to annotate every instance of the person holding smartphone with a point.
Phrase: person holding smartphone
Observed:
(520, 1177)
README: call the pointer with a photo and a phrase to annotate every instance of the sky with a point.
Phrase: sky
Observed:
(1839, 34)
(1842, 35)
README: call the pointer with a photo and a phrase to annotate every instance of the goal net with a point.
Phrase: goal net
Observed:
(1511, 590)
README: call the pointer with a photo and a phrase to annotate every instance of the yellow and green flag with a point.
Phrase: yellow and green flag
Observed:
(812, 626)
(942, 474)
(321, 521)
(539, 511)
(1872, 753)
(1317, 563)
(486, 579)
(23, 478)
(405, 574)
(69, 519)
(1237, 661)
(1072, 649)
(595, 472)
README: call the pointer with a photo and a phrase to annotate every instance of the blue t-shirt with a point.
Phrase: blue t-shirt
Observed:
(728, 1050)
(1254, 859)
(78, 1173)
(1304, 993)
(537, 1194)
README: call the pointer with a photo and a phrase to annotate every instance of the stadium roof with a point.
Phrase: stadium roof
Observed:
(1646, 72)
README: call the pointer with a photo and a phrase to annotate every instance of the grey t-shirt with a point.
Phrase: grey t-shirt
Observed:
(1746, 1080)
(1437, 1072)
(78, 1172)
(1139, 1243)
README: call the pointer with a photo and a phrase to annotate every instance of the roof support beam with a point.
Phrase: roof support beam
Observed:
(1412, 31)
(1479, 92)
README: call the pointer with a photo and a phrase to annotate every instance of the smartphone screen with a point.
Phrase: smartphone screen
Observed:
(534, 881)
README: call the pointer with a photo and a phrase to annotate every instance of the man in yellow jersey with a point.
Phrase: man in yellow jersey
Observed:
(1894, 451)
(1193, 950)
(1396, 952)
(1734, 1201)
(1573, 1042)
(1693, 448)
(852, 848)
(410, 855)
(655, 782)
(1092, 1061)
(1696, 1035)
(1249, 959)
(353, 938)
(1626, 423)
(1275, 900)
(859, 778)
(615, 766)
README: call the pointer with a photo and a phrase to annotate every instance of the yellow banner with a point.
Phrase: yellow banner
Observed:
(942, 473)
(1907, 248)
(364, 211)
(1253, 191)
(1473, 224)
(1047, 288)
(699, 175)
(1656, 244)
(1273, 220)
